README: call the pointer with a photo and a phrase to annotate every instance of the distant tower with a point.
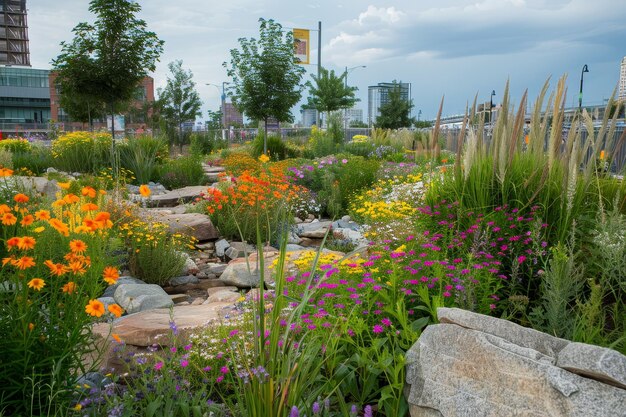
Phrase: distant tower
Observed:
(621, 95)
(14, 33)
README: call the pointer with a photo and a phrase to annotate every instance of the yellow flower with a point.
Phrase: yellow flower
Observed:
(264, 158)
(64, 185)
(94, 308)
(36, 284)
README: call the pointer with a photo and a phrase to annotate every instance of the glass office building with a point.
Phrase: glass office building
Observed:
(24, 95)
(14, 48)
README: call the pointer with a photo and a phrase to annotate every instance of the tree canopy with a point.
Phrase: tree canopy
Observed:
(266, 75)
(180, 100)
(394, 114)
(107, 59)
(329, 92)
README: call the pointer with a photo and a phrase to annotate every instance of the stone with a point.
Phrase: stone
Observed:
(292, 248)
(176, 197)
(239, 250)
(224, 296)
(519, 335)
(110, 290)
(190, 267)
(179, 298)
(341, 224)
(40, 185)
(208, 246)
(92, 380)
(293, 238)
(106, 301)
(220, 247)
(184, 280)
(153, 326)
(203, 284)
(140, 297)
(314, 230)
(238, 274)
(456, 370)
(297, 220)
(217, 269)
(197, 302)
(212, 291)
(196, 225)
(346, 218)
(353, 236)
(595, 362)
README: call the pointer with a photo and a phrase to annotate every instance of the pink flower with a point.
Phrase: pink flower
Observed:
(378, 329)
(521, 259)
(219, 379)
(224, 369)
(158, 366)
(386, 322)
(447, 294)
(344, 161)
(184, 363)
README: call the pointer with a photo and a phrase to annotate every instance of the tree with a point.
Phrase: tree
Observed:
(106, 60)
(215, 120)
(180, 99)
(330, 92)
(266, 75)
(394, 114)
(423, 124)
(82, 109)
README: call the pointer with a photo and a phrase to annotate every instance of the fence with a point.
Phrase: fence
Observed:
(617, 153)
(294, 134)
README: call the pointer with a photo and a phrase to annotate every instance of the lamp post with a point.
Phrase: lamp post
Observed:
(580, 95)
(345, 83)
(419, 114)
(493, 93)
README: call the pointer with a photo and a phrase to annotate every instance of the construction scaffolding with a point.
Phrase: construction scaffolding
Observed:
(14, 33)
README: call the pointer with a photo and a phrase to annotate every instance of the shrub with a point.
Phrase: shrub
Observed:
(142, 155)
(6, 158)
(153, 253)
(320, 144)
(82, 151)
(238, 162)
(182, 172)
(36, 161)
(16, 145)
(204, 143)
(276, 148)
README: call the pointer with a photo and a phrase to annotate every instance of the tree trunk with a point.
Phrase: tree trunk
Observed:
(265, 138)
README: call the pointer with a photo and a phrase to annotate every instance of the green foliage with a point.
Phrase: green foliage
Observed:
(335, 127)
(181, 102)
(106, 60)
(142, 156)
(394, 114)
(182, 172)
(320, 144)
(204, 143)
(16, 145)
(36, 161)
(266, 76)
(276, 148)
(329, 92)
(82, 152)
(6, 158)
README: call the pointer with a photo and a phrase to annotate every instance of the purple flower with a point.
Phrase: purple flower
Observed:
(158, 366)
(294, 412)
(368, 411)
(386, 322)
(354, 410)
(173, 328)
(224, 369)
(316, 408)
(378, 329)
(184, 363)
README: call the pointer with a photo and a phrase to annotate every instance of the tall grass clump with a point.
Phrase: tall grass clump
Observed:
(142, 156)
(181, 172)
(86, 152)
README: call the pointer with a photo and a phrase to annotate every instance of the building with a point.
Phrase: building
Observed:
(14, 48)
(377, 95)
(232, 116)
(24, 97)
(621, 95)
(309, 116)
(353, 115)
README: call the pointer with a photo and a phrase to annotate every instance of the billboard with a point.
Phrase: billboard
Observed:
(302, 45)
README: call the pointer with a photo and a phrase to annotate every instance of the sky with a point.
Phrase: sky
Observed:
(456, 49)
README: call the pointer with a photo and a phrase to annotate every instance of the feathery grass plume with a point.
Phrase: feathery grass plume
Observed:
(556, 128)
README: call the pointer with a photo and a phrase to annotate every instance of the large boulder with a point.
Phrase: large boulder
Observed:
(141, 297)
(176, 197)
(197, 225)
(313, 230)
(491, 367)
(595, 362)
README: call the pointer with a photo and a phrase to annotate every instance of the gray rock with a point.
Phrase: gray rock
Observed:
(454, 370)
(602, 364)
(293, 238)
(346, 219)
(190, 267)
(110, 290)
(179, 298)
(196, 225)
(292, 248)
(522, 336)
(340, 224)
(107, 301)
(187, 279)
(239, 276)
(8, 286)
(314, 230)
(137, 297)
(353, 236)
(208, 246)
(216, 269)
(92, 380)
(176, 197)
(220, 247)
(212, 291)
(224, 296)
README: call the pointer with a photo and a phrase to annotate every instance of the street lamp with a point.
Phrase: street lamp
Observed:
(419, 114)
(223, 100)
(345, 81)
(493, 93)
(580, 95)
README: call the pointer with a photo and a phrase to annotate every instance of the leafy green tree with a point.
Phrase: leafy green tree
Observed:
(82, 109)
(423, 124)
(180, 99)
(106, 60)
(215, 120)
(329, 92)
(394, 114)
(266, 75)
(358, 123)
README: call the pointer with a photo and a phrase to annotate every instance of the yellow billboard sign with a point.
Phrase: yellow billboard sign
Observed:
(302, 45)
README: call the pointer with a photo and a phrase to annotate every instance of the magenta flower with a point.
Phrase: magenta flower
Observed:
(386, 322)
(378, 329)
(184, 363)
(224, 369)
(158, 366)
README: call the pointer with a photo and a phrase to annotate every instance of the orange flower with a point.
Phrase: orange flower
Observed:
(115, 309)
(89, 207)
(24, 262)
(8, 260)
(69, 288)
(145, 191)
(60, 226)
(77, 267)
(21, 198)
(90, 224)
(42, 215)
(103, 220)
(110, 275)
(13, 242)
(36, 284)
(55, 269)
(31, 327)
(8, 219)
(64, 185)
(26, 243)
(58, 203)
(78, 246)
(88, 192)
(4, 209)
(116, 337)
(27, 220)
(94, 308)
(5, 172)
(71, 199)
